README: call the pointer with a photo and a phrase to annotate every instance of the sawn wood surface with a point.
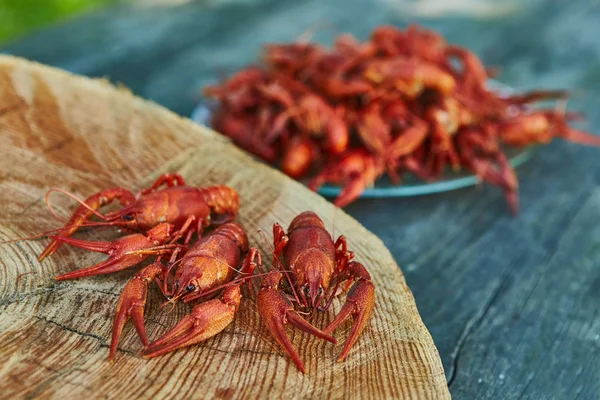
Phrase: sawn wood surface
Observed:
(82, 135)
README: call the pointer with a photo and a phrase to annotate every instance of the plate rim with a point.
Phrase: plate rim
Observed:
(423, 187)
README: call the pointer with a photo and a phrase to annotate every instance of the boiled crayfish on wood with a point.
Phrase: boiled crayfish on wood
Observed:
(174, 205)
(213, 269)
(219, 262)
(402, 102)
(317, 270)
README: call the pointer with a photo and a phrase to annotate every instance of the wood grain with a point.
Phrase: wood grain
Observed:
(59, 130)
(511, 303)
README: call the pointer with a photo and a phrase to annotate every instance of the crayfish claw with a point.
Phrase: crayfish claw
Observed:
(352, 190)
(124, 252)
(355, 171)
(113, 264)
(276, 327)
(83, 213)
(131, 305)
(99, 247)
(206, 320)
(359, 304)
(186, 324)
(275, 310)
(295, 319)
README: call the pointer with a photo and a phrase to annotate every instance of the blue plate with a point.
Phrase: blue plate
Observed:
(411, 186)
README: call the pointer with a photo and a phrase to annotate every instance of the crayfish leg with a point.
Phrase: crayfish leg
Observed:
(352, 190)
(170, 180)
(577, 136)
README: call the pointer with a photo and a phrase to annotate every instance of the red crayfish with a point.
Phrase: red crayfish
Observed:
(402, 102)
(174, 205)
(318, 270)
(168, 216)
(217, 264)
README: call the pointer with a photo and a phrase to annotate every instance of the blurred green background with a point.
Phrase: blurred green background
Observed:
(18, 17)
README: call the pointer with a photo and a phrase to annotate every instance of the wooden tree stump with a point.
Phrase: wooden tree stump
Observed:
(82, 135)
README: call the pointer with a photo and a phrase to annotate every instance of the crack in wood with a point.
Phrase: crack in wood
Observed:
(28, 207)
(13, 298)
(471, 327)
(67, 328)
(476, 321)
(80, 333)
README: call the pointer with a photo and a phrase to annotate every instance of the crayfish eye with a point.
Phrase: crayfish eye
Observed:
(320, 290)
(128, 217)
(306, 290)
(190, 287)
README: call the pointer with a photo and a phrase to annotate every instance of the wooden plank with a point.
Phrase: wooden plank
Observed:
(81, 135)
(466, 260)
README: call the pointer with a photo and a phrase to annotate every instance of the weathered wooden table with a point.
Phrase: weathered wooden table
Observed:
(512, 303)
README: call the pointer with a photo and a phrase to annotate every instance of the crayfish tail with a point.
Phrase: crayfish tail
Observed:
(224, 202)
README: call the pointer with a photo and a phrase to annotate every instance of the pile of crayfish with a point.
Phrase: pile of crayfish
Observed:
(404, 101)
(202, 255)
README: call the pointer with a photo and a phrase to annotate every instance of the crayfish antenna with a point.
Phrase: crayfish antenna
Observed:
(306, 36)
(538, 95)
